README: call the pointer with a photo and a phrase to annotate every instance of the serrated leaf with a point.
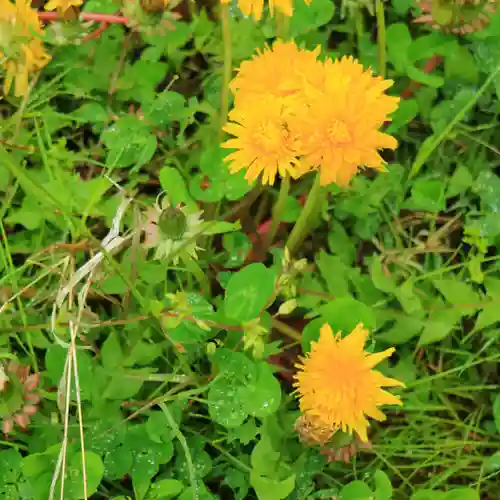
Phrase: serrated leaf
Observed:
(438, 326)
(458, 293)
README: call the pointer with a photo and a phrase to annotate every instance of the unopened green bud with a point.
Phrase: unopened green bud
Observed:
(173, 223)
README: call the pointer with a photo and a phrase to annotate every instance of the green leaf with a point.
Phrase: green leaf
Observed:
(129, 141)
(74, 485)
(333, 270)
(90, 112)
(224, 406)
(10, 467)
(383, 486)
(55, 359)
(439, 325)
(406, 112)
(460, 65)
(460, 181)
(262, 396)
(220, 227)
(111, 352)
(345, 313)
(309, 17)
(165, 108)
(380, 278)
(248, 292)
(404, 329)
(174, 185)
(458, 294)
(165, 488)
(117, 463)
(271, 489)
(427, 195)
(356, 490)
(237, 246)
(398, 42)
(215, 182)
(408, 299)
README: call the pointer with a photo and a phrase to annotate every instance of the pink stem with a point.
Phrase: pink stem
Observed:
(86, 16)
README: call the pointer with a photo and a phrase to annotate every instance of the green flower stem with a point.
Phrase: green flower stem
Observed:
(193, 267)
(381, 40)
(278, 209)
(306, 220)
(228, 66)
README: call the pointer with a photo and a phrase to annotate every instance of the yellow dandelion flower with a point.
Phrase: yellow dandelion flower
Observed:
(62, 5)
(337, 386)
(255, 8)
(283, 71)
(341, 125)
(263, 141)
(21, 48)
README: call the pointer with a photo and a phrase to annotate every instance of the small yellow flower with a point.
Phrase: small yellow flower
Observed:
(340, 127)
(263, 141)
(337, 386)
(256, 7)
(283, 71)
(21, 48)
(62, 5)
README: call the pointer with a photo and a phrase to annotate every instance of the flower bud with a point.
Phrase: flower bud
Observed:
(173, 223)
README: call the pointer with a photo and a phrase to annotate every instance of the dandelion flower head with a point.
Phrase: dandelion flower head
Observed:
(338, 387)
(283, 71)
(62, 5)
(269, 90)
(263, 141)
(21, 48)
(340, 128)
(255, 8)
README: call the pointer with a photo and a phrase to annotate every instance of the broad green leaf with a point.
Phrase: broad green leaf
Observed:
(74, 484)
(356, 490)
(248, 292)
(237, 246)
(111, 352)
(381, 279)
(345, 313)
(458, 293)
(224, 404)
(308, 17)
(10, 467)
(165, 488)
(439, 325)
(492, 463)
(165, 108)
(409, 300)
(383, 486)
(174, 185)
(262, 396)
(460, 65)
(406, 112)
(271, 489)
(333, 270)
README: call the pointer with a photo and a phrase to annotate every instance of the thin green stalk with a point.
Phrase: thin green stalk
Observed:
(381, 39)
(185, 447)
(278, 210)
(228, 66)
(305, 222)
